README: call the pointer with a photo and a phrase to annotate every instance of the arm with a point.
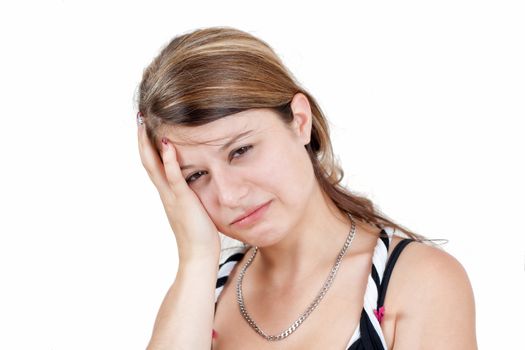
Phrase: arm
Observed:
(438, 309)
(185, 318)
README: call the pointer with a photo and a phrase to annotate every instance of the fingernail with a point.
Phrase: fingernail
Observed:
(164, 141)
(140, 121)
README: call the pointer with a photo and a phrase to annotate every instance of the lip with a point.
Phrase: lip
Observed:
(251, 215)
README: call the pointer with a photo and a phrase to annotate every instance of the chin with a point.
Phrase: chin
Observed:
(257, 236)
(264, 239)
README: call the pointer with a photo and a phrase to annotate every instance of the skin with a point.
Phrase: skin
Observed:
(204, 188)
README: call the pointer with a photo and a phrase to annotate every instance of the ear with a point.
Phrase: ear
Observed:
(302, 117)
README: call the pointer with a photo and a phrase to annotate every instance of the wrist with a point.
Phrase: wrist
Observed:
(198, 261)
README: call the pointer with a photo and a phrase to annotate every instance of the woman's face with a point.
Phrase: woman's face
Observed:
(246, 160)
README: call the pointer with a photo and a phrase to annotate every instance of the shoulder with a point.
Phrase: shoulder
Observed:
(434, 300)
(431, 267)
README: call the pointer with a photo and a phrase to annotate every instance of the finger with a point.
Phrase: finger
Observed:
(174, 176)
(151, 160)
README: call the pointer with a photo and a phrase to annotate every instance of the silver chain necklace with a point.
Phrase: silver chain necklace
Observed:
(311, 307)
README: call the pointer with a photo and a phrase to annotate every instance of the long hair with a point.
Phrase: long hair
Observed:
(210, 73)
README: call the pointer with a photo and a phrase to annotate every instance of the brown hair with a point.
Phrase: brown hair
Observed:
(211, 73)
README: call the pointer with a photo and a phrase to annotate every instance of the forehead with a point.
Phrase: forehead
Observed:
(221, 130)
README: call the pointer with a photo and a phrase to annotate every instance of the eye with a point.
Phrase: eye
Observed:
(234, 154)
(194, 176)
(240, 151)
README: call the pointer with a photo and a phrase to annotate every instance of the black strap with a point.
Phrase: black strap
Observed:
(389, 268)
(369, 339)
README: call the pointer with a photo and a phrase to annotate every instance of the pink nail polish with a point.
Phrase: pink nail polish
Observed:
(165, 141)
(214, 333)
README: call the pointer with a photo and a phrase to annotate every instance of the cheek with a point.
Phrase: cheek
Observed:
(288, 176)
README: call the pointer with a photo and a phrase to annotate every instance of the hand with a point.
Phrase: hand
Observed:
(197, 236)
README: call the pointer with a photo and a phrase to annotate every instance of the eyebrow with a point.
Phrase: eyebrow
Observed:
(223, 147)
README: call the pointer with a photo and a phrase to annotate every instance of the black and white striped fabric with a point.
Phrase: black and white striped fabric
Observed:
(368, 334)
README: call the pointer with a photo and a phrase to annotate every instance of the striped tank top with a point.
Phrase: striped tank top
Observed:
(368, 334)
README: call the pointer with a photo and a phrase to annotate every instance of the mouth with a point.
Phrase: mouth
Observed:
(251, 215)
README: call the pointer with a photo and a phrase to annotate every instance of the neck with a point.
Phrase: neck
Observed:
(310, 249)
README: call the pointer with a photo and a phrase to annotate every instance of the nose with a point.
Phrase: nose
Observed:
(230, 189)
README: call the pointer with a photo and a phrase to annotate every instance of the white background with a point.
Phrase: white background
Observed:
(426, 101)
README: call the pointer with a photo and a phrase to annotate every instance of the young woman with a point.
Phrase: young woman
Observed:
(236, 148)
